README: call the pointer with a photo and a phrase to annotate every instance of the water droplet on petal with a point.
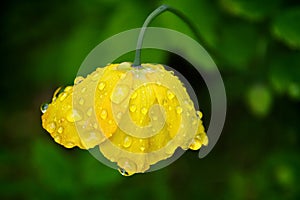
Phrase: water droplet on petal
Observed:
(196, 144)
(51, 127)
(101, 86)
(83, 90)
(134, 95)
(69, 144)
(123, 172)
(128, 167)
(199, 114)
(78, 80)
(103, 114)
(142, 148)
(63, 96)
(178, 110)
(73, 116)
(127, 141)
(95, 76)
(132, 108)
(95, 125)
(60, 130)
(89, 112)
(119, 115)
(57, 138)
(119, 94)
(170, 95)
(81, 101)
(44, 107)
(144, 111)
(124, 66)
(68, 88)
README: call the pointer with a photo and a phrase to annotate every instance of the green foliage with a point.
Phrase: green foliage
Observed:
(287, 27)
(256, 47)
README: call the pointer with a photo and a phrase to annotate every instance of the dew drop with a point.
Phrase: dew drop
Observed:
(81, 101)
(199, 114)
(44, 107)
(144, 111)
(51, 127)
(89, 112)
(73, 116)
(101, 86)
(123, 172)
(60, 130)
(119, 94)
(103, 114)
(132, 108)
(83, 90)
(196, 144)
(124, 66)
(178, 110)
(170, 95)
(128, 167)
(63, 96)
(95, 125)
(142, 148)
(154, 117)
(134, 95)
(171, 72)
(68, 88)
(78, 80)
(57, 138)
(69, 144)
(119, 115)
(127, 141)
(95, 76)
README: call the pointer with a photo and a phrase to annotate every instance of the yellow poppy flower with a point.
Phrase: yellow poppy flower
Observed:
(137, 116)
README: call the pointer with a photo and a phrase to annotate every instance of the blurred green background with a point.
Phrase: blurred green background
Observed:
(256, 45)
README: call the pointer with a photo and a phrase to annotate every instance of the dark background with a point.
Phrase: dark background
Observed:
(254, 43)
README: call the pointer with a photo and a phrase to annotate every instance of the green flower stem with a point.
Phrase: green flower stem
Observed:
(153, 15)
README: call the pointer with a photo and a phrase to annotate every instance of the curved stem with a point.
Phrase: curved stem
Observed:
(153, 15)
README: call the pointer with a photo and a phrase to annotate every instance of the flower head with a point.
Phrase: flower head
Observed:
(137, 116)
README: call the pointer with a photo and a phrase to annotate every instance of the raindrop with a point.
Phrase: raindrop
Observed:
(123, 172)
(196, 144)
(127, 141)
(63, 96)
(89, 112)
(69, 144)
(142, 148)
(101, 86)
(119, 115)
(103, 114)
(81, 101)
(132, 108)
(170, 95)
(57, 138)
(60, 130)
(199, 114)
(73, 116)
(178, 110)
(119, 94)
(51, 127)
(144, 111)
(78, 80)
(134, 95)
(44, 107)
(83, 90)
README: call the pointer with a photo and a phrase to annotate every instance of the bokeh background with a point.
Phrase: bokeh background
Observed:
(256, 45)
